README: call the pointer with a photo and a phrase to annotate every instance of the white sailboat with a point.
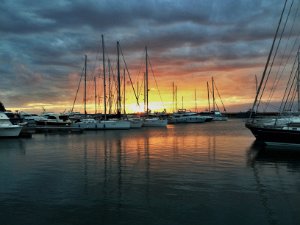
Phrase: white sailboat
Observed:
(105, 124)
(151, 121)
(7, 129)
(215, 113)
(89, 124)
(117, 123)
(155, 122)
(135, 122)
(84, 122)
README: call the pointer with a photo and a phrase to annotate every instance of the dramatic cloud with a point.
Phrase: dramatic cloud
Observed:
(43, 44)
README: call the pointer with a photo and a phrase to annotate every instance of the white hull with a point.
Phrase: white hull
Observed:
(275, 122)
(53, 119)
(136, 123)
(89, 124)
(155, 122)
(216, 115)
(10, 131)
(116, 124)
(187, 119)
(7, 129)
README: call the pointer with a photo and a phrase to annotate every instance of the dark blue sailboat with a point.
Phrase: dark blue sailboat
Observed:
(282, 63)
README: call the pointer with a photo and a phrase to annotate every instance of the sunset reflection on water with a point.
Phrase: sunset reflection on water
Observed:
(176, 175)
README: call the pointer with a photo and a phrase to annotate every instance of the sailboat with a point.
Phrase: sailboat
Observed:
(117, 124)
(284, 128)
(215, 113)
(150, 121)
(87, 123)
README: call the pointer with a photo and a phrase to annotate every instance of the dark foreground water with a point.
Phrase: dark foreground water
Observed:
(209, 173)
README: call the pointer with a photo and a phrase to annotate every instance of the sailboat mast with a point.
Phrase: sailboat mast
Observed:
(255, 105)
(104, 77)
(95, 84)
(109, 87)
(124, 89)
(85, 63)
(256, 83)
(137, 87)
(146, 83)
(196, 101)
(208, 97)
(298, 81)
(119, 82)
(173, 88)
(213, 93)
(176, 99)
(145, 107)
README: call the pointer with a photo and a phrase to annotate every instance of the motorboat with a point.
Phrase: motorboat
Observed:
(53, 119)
(184, 116)
(214, 116)
(7, 129)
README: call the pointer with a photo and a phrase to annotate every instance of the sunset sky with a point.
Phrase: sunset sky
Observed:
(43, 44)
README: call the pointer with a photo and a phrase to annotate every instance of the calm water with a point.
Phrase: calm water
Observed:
(209, 173)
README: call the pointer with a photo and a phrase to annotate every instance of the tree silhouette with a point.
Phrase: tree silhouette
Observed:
(2, 108)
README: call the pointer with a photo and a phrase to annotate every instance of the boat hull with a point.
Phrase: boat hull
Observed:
(186, 120)
(11, 131)
(136, 123)
(89, 126)
(52, 123)
(275, 135)
(115, 124)
(155, 123)
(103, 125)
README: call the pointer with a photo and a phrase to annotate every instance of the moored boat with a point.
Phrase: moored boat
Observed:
(214, 116)
(135, 122)
(116, 124)
(184, 116)
(7, 129)
(53, 119)
(285, 126)
(155, 122)
(288, 133)
(88, 124)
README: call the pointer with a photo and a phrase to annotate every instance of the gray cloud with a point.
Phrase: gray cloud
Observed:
(42, 42)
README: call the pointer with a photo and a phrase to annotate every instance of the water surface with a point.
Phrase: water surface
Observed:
(212, 173)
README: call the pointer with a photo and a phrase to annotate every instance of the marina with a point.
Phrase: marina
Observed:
(210, 172)
(150, 113)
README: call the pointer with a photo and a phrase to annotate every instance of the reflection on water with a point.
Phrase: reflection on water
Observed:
(184, 174)
(288, 155)
(266, 159)
(9, 145)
